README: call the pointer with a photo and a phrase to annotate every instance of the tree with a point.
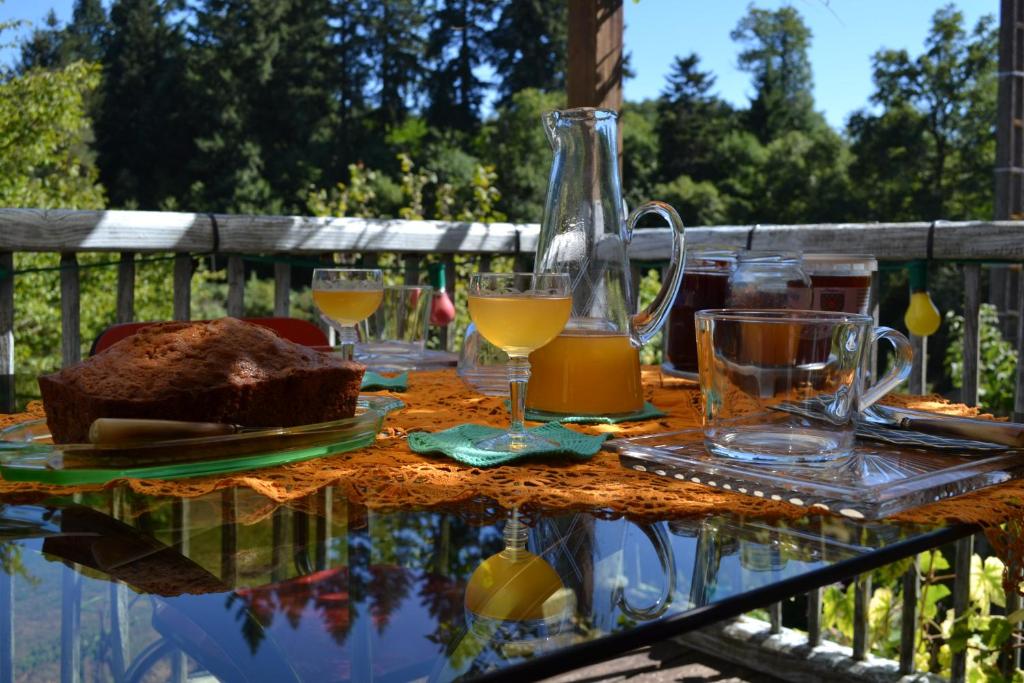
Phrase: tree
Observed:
(776, 44)
(528, 47)
(521, 154)
(83, 38)
(350, 53)
(691, 121)
(396, 34)
(257, 73)
(936, 129)
(142, 139)
(455, 48)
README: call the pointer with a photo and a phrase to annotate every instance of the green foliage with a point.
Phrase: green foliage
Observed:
(980, 633)
(998, 360)
(43, 126)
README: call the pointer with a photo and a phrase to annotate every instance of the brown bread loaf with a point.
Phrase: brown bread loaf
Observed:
(224, 370)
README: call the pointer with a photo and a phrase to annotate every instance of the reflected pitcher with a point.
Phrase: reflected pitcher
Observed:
(593, 367)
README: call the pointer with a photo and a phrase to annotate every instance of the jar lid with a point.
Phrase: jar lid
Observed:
(710, 259)
(769, 257)
(840, 264)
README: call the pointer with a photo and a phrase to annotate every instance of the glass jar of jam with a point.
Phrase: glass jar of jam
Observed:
(769, 280)
(705, 285)
(840, 282)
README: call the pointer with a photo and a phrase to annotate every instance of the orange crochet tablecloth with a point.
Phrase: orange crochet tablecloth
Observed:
(389, 475)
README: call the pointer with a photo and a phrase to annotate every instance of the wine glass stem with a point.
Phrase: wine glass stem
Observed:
(348, 336)
(518, 376)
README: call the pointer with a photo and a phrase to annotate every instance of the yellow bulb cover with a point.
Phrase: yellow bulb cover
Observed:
(511, 588)
(922, 317)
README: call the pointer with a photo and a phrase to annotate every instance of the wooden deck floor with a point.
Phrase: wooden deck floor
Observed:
(664, 663)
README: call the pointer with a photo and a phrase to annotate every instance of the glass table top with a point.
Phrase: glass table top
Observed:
(231, 586)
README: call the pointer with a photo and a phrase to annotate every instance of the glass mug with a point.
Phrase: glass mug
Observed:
(783, 386)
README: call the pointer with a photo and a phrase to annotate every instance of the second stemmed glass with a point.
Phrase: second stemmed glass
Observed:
(518, 313)
(346, 297)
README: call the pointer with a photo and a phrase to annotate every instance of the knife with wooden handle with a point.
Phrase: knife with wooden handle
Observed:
(1006, 433)
(115, 430)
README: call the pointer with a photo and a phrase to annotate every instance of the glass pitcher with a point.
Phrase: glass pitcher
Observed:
(593, 367)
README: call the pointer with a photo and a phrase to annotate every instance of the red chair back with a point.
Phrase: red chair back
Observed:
(299, 331)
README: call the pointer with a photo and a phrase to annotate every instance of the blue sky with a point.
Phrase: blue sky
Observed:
(846, 34)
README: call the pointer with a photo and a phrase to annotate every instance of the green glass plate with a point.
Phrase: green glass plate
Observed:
(26, 453)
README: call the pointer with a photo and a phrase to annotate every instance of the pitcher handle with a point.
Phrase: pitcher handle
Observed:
(899, 371)
(663, 547)
(647, 322)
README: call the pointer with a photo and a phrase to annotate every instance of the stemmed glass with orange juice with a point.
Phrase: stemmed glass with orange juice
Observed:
(346, 297)
(518, 313)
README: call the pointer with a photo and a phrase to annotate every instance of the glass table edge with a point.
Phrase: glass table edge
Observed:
(607, 647)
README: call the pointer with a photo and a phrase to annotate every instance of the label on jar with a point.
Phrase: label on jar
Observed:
(844, 299)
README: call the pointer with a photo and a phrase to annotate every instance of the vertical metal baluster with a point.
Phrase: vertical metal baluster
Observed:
(861, 598)
(6, 332)
(1018, 398)
(448, 331)
(6, 627)
(919, 370)
(411, 268)
(182, 287)
(70, 619)
(972, 305)
(278, 540)
(236, 286)
(775, 617)
(961, 596)
(120, 626)
(323, 525)
(180, 541)
(875, 296)
(229, 536)
(126, 288)
(908, 625)
(1008, 664)
(70, 310)
(282, 289)
(814, 617)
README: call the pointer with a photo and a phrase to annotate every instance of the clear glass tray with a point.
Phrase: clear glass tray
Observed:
(28, 454)
(878, 480)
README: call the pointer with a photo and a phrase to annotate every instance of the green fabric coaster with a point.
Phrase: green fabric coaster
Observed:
(648, 412)
(457, 443)
(374, 381)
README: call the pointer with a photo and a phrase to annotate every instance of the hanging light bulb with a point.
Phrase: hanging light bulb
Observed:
(922, 317)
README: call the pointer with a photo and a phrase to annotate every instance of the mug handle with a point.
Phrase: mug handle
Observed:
(899, 372)
(663, 547)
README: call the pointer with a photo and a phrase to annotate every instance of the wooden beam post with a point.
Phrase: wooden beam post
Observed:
(594, 74)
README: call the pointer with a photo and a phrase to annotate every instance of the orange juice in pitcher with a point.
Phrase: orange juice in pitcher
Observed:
(583, 372)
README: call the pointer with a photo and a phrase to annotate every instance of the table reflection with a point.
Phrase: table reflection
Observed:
(322, 589)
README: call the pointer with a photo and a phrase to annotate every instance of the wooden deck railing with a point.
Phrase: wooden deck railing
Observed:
(127, 233)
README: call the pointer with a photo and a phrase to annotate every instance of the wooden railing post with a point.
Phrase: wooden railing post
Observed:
(6, 332)
(182, 287)
(1018, 399)
(70, 310)
(282, 289)
(236, 286)
(972, 308)
(919, 370)
(126, 288)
